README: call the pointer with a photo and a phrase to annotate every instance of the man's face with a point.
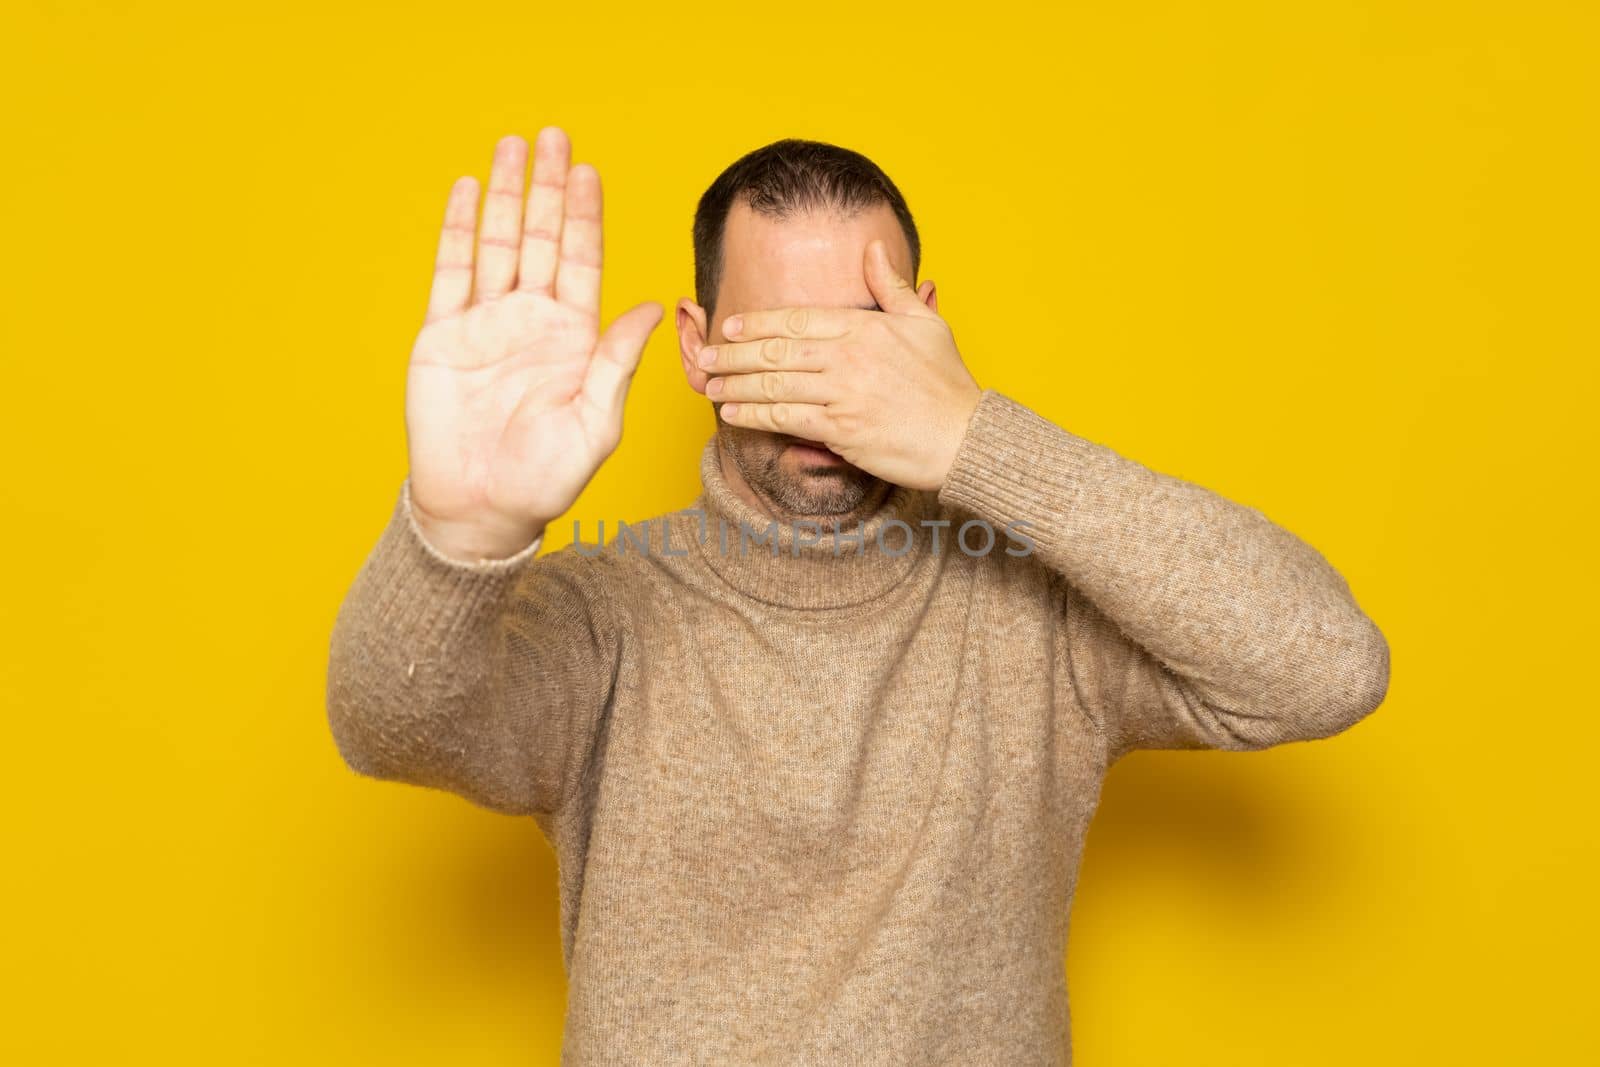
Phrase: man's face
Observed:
(808, 260)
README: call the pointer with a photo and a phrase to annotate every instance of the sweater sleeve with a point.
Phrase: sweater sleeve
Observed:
(1190, 621)
(488, 679)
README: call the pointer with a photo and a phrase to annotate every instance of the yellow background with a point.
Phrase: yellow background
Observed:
(1335, 260)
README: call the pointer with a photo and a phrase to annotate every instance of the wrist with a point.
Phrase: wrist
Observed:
(960, 420)
(470, 541)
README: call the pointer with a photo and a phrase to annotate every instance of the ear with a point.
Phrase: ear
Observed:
(928, 295)
(691, 338)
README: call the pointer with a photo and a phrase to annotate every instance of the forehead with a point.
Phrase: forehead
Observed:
(812, 258)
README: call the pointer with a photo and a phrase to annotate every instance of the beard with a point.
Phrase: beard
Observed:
(830, 494)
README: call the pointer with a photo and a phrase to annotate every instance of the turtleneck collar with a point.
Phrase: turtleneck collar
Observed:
(809, 568)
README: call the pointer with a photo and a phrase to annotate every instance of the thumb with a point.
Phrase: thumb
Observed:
(616, 357)
(893, 293)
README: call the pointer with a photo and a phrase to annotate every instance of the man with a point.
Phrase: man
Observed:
(817, 756)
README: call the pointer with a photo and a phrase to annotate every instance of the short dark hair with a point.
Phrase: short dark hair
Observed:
(782, 179)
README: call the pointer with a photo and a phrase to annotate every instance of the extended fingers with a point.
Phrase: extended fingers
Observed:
(452, 267)
(793, 322)
(771, 353)
(799, 420)
(541, 223)
(578, 274)
(772, 387)
(499, 237)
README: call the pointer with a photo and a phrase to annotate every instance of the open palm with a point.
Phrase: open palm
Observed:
(514, 397)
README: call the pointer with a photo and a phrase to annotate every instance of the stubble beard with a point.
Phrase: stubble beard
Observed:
(832, 497)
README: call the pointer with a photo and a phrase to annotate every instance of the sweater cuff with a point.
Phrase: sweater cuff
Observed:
(419, 591)
(1013, 465)
(483, 566)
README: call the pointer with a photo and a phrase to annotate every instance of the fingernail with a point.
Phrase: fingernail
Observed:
(730, 410)
(708, 355)
(730, 328)
(714, 387)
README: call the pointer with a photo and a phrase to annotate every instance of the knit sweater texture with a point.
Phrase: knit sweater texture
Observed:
(823, 805)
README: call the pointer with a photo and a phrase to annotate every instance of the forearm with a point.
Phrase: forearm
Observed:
(415, 649)
(1253, 620)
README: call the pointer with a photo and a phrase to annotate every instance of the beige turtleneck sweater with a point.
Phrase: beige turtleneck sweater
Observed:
(827, 806)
